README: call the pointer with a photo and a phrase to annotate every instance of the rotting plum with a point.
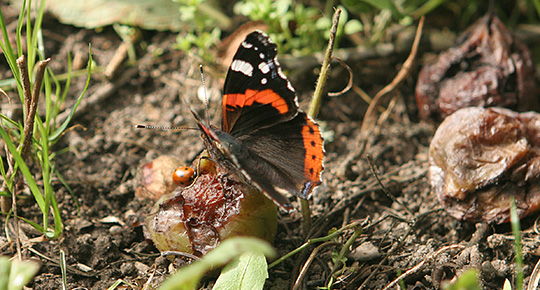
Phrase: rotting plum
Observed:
(480, 158)
(488, 68)
(195, 219)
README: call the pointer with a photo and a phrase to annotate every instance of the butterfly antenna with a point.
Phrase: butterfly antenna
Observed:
(164, 128)
(205, 94)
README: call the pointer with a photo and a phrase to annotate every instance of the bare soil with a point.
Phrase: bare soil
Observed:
(404, 225)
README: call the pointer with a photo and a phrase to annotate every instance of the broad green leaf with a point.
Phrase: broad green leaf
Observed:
(188, 277)
(14, 275)
(146, 14)
(249, 271)
(21, 273)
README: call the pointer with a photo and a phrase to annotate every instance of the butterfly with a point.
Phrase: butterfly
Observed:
(264, 138)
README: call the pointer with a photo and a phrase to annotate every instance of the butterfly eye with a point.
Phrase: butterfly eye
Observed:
(184, 176)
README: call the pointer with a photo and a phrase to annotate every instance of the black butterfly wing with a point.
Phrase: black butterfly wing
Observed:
(285, 158)
(256, 94)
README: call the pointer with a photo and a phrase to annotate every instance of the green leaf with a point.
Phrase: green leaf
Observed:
(353, 26)
(385, 5)
(507, 285)
(188, 277)
(15, 274)
(466, 281)
(249, 271)
(147, 14)
(21, 273)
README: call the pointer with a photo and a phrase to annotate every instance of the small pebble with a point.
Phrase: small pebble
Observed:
(116, 230)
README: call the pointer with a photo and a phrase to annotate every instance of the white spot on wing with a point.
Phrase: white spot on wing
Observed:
(261, 55)
(243, 67)
(264, 81)
(264, 67)
(247, 45)
(290, 86)
(281, 75)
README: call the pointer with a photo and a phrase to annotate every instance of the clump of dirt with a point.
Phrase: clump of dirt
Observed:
(405, 229)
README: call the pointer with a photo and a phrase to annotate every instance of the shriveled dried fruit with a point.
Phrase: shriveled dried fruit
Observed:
(195, 219)
(488, 68)
(480, 158)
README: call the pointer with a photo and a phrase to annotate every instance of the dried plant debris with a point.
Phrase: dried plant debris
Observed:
(481, 158)
(195, 219)
(487, 68)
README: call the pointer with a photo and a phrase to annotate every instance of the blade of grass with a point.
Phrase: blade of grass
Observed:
(516, 230)
(63, 268)
(24, 169)
(50, 198)
(37, 37)
(8, 51)
(18, 32)
(68, 188)
(60, 130)
(63, 94)
(30, 52)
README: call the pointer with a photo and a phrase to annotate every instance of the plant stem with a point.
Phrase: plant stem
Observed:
(321, 82)
(31, 102)
(316, 104)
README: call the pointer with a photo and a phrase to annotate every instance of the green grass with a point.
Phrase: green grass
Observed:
(34, 160)
(516, 230)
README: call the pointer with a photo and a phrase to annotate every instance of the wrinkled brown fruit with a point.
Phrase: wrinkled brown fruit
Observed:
(480, 158)
(487, 68)
(195, 219)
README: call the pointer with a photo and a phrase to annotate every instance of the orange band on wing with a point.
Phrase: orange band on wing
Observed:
(313, 162)
(251, 96)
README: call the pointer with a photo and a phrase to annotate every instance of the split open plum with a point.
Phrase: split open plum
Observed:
(488, 67)
(480, 158)
(195, 219)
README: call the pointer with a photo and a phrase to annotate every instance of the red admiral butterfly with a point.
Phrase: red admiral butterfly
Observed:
(264, 139)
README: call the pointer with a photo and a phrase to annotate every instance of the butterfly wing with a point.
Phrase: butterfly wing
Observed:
(285, 158)
(256, 93)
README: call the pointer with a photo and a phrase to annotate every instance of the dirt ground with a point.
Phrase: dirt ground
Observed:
(105, 152)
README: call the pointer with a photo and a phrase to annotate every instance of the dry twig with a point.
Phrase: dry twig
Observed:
(421, 265)
(370, 116)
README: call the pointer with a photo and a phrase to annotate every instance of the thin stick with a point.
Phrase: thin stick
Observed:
(25, 79)
(312, 256)
(33, 102)
(387, 192)
(321, 82)
(349, 83)
(316, 104)
(420, 265)
(369, 118)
